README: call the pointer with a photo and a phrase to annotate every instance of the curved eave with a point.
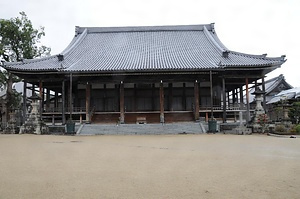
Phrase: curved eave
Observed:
(253, 67)
(51, 60)
(153, 71)
(262, 57)
(34, 72)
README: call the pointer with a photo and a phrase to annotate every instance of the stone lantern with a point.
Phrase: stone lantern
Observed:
(259, 96)
(34, 124)
(259, 114)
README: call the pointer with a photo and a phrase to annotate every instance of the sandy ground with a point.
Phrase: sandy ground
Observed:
(173, 166)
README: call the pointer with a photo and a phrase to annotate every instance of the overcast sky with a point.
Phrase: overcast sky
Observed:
(248, 26)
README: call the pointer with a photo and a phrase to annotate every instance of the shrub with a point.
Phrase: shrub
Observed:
(294, 112)
(297, 128)
(280, 128)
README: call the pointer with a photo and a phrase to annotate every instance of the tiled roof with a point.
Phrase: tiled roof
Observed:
(292, 93)
(153, 48)
(270, 85)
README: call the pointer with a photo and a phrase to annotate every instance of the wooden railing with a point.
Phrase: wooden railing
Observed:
(67, 109)
(220, 108)
(92, 110)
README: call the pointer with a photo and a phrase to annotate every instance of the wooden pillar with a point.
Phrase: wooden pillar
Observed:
(56, 100)
(234, 100)
(247, 100)
(233, 96)
(32, 89)
(264, 90)
(255, 84)
(117, 94)
(134, 101)
(153, 97)
(224, 100)
(63, 97)
(184, 97)
(24, 101)
(170, 96)
(87, 102)
(236, 96)
(211, 95)
(196, 98)
(41, 95)
(228, 99)
(71, 96)
(241, 105)
(104, 98)
(241, 96)
(76, 102)
(161, 102)
(122, 107)
(48, 100)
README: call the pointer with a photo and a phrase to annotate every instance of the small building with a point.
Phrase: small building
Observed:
(273, 86)
(280, 103)
(147, 73)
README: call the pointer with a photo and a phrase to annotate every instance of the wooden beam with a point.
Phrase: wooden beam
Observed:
(161, 102)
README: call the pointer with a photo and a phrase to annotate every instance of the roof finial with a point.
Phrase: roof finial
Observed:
(212, 27)
(76, 30)
(225, 53)
(60, 57)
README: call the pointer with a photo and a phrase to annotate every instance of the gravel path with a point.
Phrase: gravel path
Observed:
(158, 166)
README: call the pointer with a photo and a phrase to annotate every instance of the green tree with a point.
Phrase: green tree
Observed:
(18, 41)
(294, 112)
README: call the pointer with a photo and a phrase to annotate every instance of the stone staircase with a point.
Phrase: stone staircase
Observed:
(142, 129)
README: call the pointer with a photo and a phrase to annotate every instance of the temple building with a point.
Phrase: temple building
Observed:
(272, 87)
(153, 74)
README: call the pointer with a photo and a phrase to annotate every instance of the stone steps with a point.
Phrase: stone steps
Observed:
(142, 129)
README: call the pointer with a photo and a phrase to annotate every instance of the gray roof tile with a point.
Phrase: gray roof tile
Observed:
(153, 48)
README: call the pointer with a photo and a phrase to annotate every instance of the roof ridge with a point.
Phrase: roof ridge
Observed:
(75, 43)
(198, 27)
(214, 42)
(274, 78)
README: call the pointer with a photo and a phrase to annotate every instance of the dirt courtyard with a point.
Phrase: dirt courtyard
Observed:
(159, 166)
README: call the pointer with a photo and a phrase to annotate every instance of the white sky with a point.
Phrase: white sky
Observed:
(248, 26)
